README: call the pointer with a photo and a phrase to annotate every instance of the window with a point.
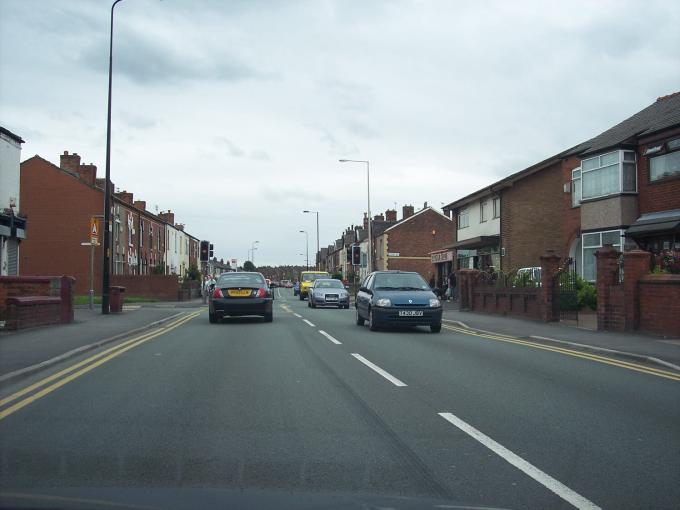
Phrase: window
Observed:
(593, 242)
(608, 174)
(576, 187)
(497, 207)
(483, 211)
(663, 167)
(141, 232)
(463, 218)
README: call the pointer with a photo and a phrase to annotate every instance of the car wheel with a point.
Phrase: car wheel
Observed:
(371, 323)
(301, 297)
(309, 303)
(360, 319)
(268, 317)
(436, 328)
(211, 318)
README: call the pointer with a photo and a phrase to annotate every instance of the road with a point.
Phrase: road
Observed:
(313, 404)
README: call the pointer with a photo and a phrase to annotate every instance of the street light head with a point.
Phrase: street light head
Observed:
(343, 160)
(305, 211)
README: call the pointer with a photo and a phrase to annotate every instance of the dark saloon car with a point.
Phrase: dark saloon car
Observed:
(397, 298)
(328, 292)
(240, 293)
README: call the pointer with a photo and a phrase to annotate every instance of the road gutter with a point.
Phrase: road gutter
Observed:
(26, 371)
(586, 347)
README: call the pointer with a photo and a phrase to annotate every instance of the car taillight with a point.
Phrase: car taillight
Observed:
(261, 293)
(217, 293)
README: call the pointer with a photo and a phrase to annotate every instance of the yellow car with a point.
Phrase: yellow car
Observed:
(307, 280)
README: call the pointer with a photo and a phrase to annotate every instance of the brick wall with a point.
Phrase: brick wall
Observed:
(27, 301)
(660, 304)
(414, 241)
(507, 301)
(537, 216)
(660, 195)
(19, 286)
(162, 287)
(59, 206)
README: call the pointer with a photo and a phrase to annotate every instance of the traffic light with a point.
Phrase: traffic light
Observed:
(211, 251)
(205, 248)
(356, 255)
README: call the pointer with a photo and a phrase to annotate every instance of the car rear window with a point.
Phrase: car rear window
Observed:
(240, 279)
(313, 276)
(400, 281)
(329, 284)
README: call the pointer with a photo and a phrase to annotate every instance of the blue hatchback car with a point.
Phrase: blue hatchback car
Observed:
(397, 298)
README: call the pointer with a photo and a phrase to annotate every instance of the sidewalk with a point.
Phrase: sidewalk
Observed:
(637, 344)
(29, 347)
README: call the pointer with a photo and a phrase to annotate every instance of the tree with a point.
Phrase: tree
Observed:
(248, 266)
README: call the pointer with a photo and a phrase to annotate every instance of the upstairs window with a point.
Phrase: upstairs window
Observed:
(483, 211)
(497, 207)
(666, 165)
(576, 187)
(463, 218)
(609, 174)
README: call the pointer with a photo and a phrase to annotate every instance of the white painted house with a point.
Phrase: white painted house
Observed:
(12, 224)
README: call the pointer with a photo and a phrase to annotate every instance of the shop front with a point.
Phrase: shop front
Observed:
(480, 252)
(658, 233)
(443, 266)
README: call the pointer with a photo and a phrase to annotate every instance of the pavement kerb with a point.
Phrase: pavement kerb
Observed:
(26, 371)
(587, 347)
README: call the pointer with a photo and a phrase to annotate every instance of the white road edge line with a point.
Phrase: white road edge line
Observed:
(544, 479)
(336, 342)
(379, 370)
(308, 323)
(297, 315)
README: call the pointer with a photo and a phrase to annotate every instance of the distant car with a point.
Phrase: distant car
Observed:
(397, 298)
(238, 294)
(528, 275)
(287, 284)
(307, 280)
(296, 289)
(328, 292)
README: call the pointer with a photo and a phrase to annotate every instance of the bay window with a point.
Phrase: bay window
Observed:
(665, 166)
(608, 174)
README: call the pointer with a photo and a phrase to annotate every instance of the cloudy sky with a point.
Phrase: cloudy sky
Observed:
(233, 113)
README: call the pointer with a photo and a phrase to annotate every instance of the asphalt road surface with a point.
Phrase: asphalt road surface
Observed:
(313, 404)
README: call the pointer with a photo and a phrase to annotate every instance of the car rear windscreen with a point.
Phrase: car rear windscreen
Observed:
(329, 284)
(240, 280)
(313, 276)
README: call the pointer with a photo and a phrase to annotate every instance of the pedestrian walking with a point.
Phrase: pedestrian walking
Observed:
(452, 286)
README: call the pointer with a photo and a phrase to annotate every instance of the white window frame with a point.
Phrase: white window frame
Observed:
(599, 245)
(464, 212)
(496, 207)
(671, 149)
(621, 160)
(576, 183)
(482, 216)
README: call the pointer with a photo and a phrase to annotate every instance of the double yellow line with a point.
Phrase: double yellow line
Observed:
(74, 371)
(666, 374)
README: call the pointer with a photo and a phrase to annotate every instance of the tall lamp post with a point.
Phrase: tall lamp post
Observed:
(318, 261)
(369, 258)
(252, 251)
(107, 183)
(307, 237)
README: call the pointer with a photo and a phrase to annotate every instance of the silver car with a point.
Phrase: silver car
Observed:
(328, 292)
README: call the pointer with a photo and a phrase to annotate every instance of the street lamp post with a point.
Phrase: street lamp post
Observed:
(252, 251)
(307, 238)
(318, 261)
(107, 183)
(369, 258)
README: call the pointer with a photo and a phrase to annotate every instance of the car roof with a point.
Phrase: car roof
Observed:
(315, 272)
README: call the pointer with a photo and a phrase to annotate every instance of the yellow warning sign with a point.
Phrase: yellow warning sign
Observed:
(94, 230)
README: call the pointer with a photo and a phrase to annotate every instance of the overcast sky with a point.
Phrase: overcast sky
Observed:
(233, 113)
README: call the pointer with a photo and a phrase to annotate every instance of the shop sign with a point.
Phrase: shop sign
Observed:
(442, 256)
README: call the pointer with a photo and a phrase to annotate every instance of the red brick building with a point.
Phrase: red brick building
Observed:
(407, 244)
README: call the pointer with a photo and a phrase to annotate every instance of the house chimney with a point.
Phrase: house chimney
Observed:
(379, 217)
(88, 173)
(425, 205)
(69, 161)
(406, 212)
(140, 204)
(391, 215)
(180, 226)
(126, 197)
(167, 217)
(365, 221)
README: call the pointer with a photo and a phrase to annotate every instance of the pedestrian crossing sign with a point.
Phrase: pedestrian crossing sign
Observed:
(94, 230)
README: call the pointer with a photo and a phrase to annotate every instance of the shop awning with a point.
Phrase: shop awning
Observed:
(475, 242)
(655, 223)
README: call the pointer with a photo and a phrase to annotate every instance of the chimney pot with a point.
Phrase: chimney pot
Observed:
(407, 211)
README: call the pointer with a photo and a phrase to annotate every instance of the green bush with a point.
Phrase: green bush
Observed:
(586, 294)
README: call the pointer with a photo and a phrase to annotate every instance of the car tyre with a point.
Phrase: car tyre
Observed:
(360, 319)
(371, 323)
(268, 317)
(436, 328)
(301, 297)
(211, 318)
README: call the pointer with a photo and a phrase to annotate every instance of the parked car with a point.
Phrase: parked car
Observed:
(286, 284)
(238, 294)
(307, 280)
(397, 298)
(296, 289)
(328, 292)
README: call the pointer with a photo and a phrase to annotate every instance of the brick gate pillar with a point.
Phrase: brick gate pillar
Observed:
(465, 279)
(550, 265)
(66, 295)
(607, 267)
(635, 264)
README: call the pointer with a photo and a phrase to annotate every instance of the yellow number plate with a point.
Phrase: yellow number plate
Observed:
(239, 293)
